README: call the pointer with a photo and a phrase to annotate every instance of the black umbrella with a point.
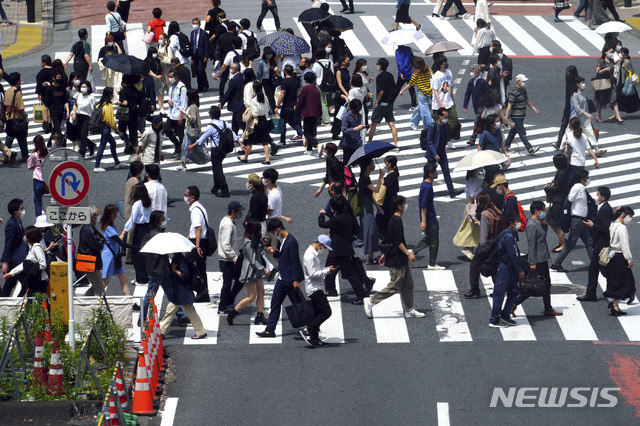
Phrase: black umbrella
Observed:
(125, 64)
(370, 150)
(313, 15)
(337, 23)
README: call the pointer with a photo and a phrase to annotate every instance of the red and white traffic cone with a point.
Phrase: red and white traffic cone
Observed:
(122, 392)
(142, 397)
(159, 338)
(55, 385)
(47, 323)
(153, 383)
(114, 420)
(39, 373)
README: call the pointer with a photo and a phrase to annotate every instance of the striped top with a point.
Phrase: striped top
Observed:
(422, 82)
(518, 98)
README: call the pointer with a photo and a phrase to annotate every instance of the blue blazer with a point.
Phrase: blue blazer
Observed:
(475, 93)
(289, 265)
(15, 249)
(233, 96)
(436, 140)
(202, 49)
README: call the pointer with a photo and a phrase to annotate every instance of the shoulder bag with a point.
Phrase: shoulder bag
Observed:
(121, 33)
(211, 236)
(606, 253)
(533, 285)
(601, 84)
(16, 127)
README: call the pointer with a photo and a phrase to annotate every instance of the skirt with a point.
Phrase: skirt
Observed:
(555, 214)
(260, 135)
(468, 234)
(605, 98)
(403, 14)
(620, 281)
(369, 233)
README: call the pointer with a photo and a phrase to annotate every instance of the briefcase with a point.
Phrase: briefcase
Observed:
(533, 285)
(300, 314)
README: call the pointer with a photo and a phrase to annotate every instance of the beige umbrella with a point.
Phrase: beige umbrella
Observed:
(478, 159)
(443, 46)
(168, 243)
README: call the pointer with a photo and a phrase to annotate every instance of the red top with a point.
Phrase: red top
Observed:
(309, 102)
(157, 26)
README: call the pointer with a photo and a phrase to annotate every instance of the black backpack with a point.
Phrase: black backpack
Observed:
(225, 138)
(328, 83)
(95, 121)
(423, 137)
(253, 49)
(237, 57)
(78, 52)
(185, 45)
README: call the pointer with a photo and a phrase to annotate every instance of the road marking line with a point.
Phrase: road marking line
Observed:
(574, 321)
(303, 31)
(522, 36)
(591, 36)
(378, 31)
(631, 322)
(169, 412)
(443, 414)
(135, 46)
(444, 297)
(332, 330)
(449, 33)
(556, 36)
(388, 315)
(520, 332)
(505, 48)
(208, 313)
(253, 329)
(423, 44)
(98, 33)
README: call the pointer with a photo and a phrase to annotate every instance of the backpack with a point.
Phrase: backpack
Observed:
(95, 121)
(253, 49)
(523, 217)
(354, 200)
(78, 55)
(237, 57)
(349, 180)
(185, 45)
(328, 83)
(487, 257)
(423, 137)
(198, 282)
(225, 136)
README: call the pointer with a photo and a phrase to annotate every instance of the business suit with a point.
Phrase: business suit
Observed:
(15, 251)
(476, 89)
(436, 144)
(341, 230)
(290, 270)
(600, 233)
(200, 46)
(233, 98)
(538, 255)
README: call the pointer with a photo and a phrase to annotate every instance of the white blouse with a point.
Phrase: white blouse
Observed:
(620, 240)
(139, 214)
(36, 254)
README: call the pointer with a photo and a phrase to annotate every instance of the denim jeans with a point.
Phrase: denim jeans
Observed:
(584, 5)
(38, 192)
(422, 111)
(106, 137)
(288, 115)
(274, 11)
(3, 14)
(185, 143)
(519, 129)
(505, 285)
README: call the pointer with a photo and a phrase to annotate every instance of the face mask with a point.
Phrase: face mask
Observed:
(582, 85)
(610, 55)
(445, 120)
(500, 55)
(264, 181)
(320, 249)
(588, 182)
(248, 185)
(405, 207)
(480, 174)
(472, 75)
(27, 242)
(499, 191)
(154, 55)
(163, 42)
(523, 84)
(22, 213)
(186, 199)
(364, 68)
(76, 82)
(84, 90)
(328, 50)
(172, 80)
(379, 69)
(110, 44)
(618, 48)
(195, 27)
(269, 56)
(626, 220)
(163, 225)
(517, 226)
(543, 215)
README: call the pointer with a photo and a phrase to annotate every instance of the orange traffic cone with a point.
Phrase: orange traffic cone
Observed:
(122, 392)
(56, 375)
(39, 373)
(142, 397)
(151, 375)
(155, 362)
(159, 337)
(47, 323)
(114, 420)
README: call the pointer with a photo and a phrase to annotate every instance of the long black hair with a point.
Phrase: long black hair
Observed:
(253, 232)
(107, 96)
(570, 76)
(257, 88)
(628, 211)
(174, 27)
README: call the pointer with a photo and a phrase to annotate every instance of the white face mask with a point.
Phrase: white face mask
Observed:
(500, 55)
(76, 82)
(582, 86)
(110, 44)
(627, 220)
(327, 49)
(163, 224)
(248, 185)
(22, 213)
(610, 55)
(364, 68)
(517, 226)
(195, 27)
(163, 42)
(264, 181)
(27, 241)
(172, 80)
(588, 182)
(472, 75)
(618, 48)
(523, 84)
(445, 120)
(154, 55)
(480, 174)
(84, 90)
(499, 191)
(405, 207)
(186, 199)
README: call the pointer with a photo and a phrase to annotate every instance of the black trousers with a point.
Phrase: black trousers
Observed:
(344, 5)
(131, 129)
(175, 133)
(351, 269)
(346, 154)
(336, 127)
(321, 312)
(85, 142)
(310, 130)
(563, 125)
(219, 181)
(224, 77)
(123, 10)
(231, 285)
(9, 283)
(236, 121)
(608, 4)
(543, 270)
(201, 74)
(594, 272)
(201, 262)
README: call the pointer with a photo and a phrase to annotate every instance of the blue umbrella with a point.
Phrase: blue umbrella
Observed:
(289, 44)
(373, 149)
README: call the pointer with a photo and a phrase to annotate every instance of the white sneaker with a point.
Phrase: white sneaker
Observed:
(307, 152)
(436, 267)
(411, 109)
(320, 150)
(450, 146)
(368, 307)
(121, 165)
(413, 314)
(98, 170)
(396, 149)
(414, 127)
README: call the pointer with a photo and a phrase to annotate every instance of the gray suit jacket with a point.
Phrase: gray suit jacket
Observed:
(537, 241)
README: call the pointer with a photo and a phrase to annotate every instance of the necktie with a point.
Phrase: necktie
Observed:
(195, 42)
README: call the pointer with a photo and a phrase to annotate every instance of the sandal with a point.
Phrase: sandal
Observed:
(243, 160)
(266, 162)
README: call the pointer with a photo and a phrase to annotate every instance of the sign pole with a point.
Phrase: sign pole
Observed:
(72, 321)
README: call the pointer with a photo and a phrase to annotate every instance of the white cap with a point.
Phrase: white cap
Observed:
(521, 77)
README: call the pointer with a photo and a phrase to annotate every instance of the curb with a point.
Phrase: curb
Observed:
(31, 35)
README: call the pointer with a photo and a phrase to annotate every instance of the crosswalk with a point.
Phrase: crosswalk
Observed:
(527, 174)
(520, 36)
(449, 319)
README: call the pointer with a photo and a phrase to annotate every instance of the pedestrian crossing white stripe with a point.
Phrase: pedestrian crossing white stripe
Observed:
(354, 44)
(332, 330)
(522, 36)
(303, 31)
(443, 414)
(505, 49)
(135, 46)
(388, 315)
(253, 329)
(573, 322)
(630, 322)
(378, 31)
(591, 36)
(451, 34)
(208, 313)
(556, 36)
(522, 331)
(423, 43)
(559, 278)
(444, 298)
(269, 25)
(98, 33)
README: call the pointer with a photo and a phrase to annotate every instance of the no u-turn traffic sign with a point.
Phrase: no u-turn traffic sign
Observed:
(69, 183)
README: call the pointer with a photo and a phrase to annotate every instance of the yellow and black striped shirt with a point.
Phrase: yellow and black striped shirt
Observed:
(422, 82)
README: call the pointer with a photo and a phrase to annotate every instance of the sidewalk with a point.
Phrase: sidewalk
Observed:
(631, 15)
(22, 36)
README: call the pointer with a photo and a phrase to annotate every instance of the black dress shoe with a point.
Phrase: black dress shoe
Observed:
(344, 10)
(332, 293)
(222, 195)
(455, 193)
(231, 314)
(214, 191)
(631, 299)
(369, 284)
(472, 295)
(586, 298)
(557, 268)
(266, 334)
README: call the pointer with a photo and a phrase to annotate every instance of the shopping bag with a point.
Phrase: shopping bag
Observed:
(300, 314)
(343, 110)
(38, 113)
(278, 125)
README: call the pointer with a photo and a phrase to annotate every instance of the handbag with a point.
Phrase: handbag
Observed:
(342, 112)
(38, 113)
(634, 79)
(122, 114)
(85, 263)
(591, 106)
(211, 236)
(378, 197)
(278, 125)
(300, 314)
(533, 285)
(16, 127)
(471, 209)
(606, 253)
(627, 88)
(601, 84)
(148, 37)
(565, 148)
(386, 248)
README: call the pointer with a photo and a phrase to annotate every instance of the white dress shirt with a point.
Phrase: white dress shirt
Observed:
(227, 239)
(36, 254)
(174, 45)
(158, 194)
(139, 214)
(314, 272)
(177, 94)
(198, 217)
(578, 198)
(274, 202)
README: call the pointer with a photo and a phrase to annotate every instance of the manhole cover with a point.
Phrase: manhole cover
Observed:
(559, 289)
